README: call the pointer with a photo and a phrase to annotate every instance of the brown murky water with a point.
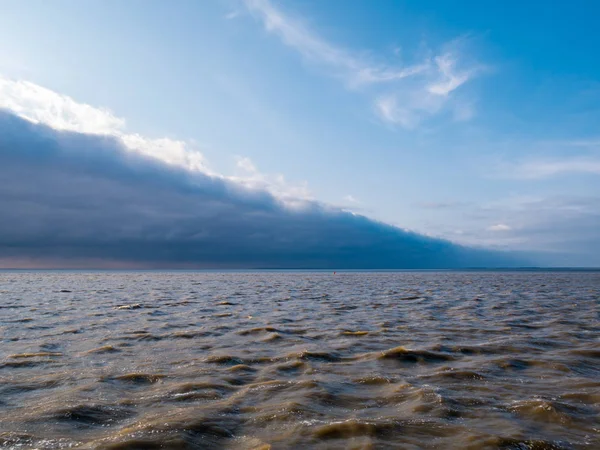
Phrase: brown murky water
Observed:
(299, 360)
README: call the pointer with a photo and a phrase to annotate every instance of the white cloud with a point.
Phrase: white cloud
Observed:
(404, 95)
(440, 205)
(293, 195)
(388, 109)
(449, 77)
(463, 111)
(297, 36)
(173, 152)
(294, 34)
(409, 107)
(499, 227)
(41, 105)
(351, 199)
(246, 165)
(564, 224)
(232, 14)
(590, 143)
(537, 169)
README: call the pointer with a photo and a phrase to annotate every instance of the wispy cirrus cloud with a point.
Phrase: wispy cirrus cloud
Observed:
(342, 62)
(581, 143)
(401, 95)
(533, 169)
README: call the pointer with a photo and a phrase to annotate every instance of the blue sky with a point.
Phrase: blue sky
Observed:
(470, 121)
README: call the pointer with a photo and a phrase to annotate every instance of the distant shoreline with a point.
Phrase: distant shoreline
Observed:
(305, 270)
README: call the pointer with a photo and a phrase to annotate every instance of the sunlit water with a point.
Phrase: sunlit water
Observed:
(299, 360)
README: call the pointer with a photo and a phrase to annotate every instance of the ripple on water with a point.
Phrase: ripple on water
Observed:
(91, 414)
(137, 378)
(299, 360)
(403, 354)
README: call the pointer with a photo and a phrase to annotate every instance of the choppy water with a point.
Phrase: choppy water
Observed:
(299, 360)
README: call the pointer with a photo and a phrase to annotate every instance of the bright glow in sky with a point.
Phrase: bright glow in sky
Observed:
(471, 121)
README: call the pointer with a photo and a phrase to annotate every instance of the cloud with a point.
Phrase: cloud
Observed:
(558, 229)
(545, 168)
(232, 14)
(408, 108)
(343, 63)
(248, 175)
(402, 95)
(541, 159)
(351, 199)
(42, 105)
(295, 35)
(450, 79)
(585, 143)
(499, 227)
(440, 205)
(80, 199)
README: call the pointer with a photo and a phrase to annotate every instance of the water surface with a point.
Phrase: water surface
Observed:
(282, 360)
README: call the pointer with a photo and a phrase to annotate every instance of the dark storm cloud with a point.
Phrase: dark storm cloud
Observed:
(75, 197)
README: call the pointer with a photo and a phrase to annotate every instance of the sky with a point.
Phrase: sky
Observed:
(471, 122)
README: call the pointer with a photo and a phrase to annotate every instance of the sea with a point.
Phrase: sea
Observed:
(300, 360)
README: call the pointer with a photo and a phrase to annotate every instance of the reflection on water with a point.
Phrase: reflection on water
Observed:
(299, 360)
